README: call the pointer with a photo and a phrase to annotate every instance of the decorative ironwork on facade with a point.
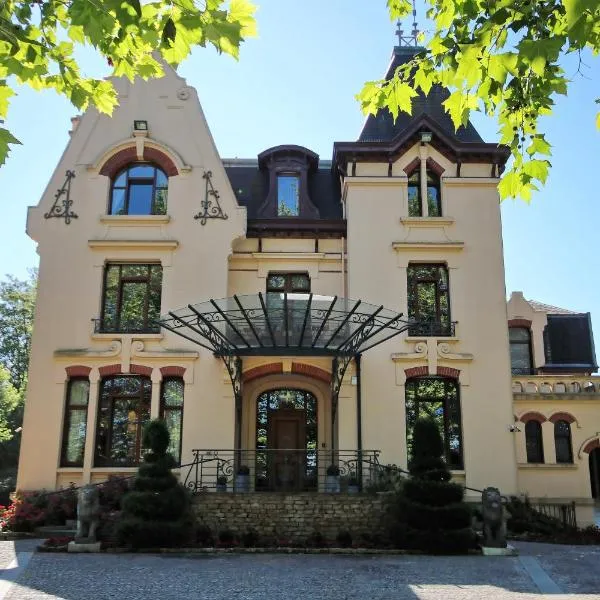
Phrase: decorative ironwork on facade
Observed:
(284, 324)
(310, 470)
(211, 207)
(61, 208)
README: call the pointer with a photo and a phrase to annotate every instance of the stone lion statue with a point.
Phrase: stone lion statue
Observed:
(494, 526)
(88, 511)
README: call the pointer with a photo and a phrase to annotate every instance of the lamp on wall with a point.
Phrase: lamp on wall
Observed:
(426, 137)
(140, 125)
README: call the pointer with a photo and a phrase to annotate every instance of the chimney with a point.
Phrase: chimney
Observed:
(74, 124)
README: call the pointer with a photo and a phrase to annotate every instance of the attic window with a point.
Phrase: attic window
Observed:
(288, 195)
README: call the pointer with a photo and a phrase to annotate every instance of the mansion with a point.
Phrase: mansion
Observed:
(288, 315)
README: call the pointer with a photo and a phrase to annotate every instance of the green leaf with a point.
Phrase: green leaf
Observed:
(510, 185)
(598, 121)
(5, 94)
(169, 32)
(398, 9)
(6, 139)
(539, 146)
(537, 169)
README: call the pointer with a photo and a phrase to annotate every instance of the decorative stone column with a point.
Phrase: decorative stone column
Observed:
(548, 441)
(423, 152)
(90, 432)
(156, 378)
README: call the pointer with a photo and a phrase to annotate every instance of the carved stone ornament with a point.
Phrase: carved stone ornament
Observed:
(494, 524)
(88, 514)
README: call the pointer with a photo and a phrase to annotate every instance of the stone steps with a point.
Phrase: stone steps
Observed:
(48, 531)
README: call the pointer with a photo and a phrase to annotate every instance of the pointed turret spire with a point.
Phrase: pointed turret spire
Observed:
(408, 40)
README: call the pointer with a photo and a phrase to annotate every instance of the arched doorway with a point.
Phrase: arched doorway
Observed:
(594, 462)
(286, 440)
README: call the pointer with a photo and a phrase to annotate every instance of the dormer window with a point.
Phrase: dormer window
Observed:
(288, 172)
(139, 189)
(288, 195)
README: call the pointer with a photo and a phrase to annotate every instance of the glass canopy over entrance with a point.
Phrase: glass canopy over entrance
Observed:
(285, 324)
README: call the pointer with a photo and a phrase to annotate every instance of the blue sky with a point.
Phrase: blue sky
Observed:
(295, 84)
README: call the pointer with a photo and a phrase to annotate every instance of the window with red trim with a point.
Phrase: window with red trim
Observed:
(139, 189)
(75, 424)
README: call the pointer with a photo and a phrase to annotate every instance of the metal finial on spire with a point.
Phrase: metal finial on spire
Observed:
(408, 40)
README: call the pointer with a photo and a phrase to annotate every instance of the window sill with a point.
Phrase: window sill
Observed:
(69, 469)
(567, 466)
(128, 220)
(424, 338)
(114, 469)
(427, 221)
(118, 335)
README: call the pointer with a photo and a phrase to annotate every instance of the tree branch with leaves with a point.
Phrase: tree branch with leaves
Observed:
(39, 38)
(499, 57)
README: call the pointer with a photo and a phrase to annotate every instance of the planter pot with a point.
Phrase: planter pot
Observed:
(242, 483)
(332, 484)
(221, 487)
(353, 488)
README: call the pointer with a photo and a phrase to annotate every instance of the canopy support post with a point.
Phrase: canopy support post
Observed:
(234, 368)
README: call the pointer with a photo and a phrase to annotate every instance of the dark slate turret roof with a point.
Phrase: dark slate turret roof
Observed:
(383, 128)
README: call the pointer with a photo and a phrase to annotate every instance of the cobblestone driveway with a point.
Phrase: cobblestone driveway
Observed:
(574, 571)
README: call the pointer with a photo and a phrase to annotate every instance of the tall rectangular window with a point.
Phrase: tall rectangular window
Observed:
(520, 351)
(131, 299)
(288, 195)
(75, 425)
(171, 411)
(289, 291)
(429, 300)
(123, 410)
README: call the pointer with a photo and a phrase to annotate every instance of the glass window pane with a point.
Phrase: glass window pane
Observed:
(161, 178)
(288, 195)
(414, 201)
(276, 282)
(131, 271)
(117, 206)
(133, 305)
(141, 171)
(121, 180)
(75, 437)
(300, 283)
(518, 334)
(433, 201)
(78, 392)
(140, 199)
(160, 201)
(173, 421)
(520, 357)
(533, 442)
(173, 393)
(111, 294)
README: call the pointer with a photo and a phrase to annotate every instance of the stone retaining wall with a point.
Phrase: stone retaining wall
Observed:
(293, 517)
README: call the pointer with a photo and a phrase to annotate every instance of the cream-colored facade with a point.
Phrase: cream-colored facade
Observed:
(364, 253)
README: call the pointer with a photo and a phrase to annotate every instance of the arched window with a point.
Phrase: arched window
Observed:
(438, 398)
(414, 194)
(521, 362)
(171, 410)
(434, 196)
(75, 424)
(139, 189)
(562, 442)
(124, 409)
(533, 442)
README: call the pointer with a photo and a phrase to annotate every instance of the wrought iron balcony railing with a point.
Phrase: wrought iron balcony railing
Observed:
(433, 329)
(101, 326)
(270, 470)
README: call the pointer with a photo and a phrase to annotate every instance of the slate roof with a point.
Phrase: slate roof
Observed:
(383, 128)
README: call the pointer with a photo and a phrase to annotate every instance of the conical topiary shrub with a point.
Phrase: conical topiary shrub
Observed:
(431, 511)
(156, 513)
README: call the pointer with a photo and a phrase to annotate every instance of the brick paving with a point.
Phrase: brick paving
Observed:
(574, 569)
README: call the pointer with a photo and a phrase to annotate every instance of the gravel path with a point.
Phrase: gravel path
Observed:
(576, 570)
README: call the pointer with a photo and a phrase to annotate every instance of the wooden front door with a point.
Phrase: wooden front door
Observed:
(287, 457)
